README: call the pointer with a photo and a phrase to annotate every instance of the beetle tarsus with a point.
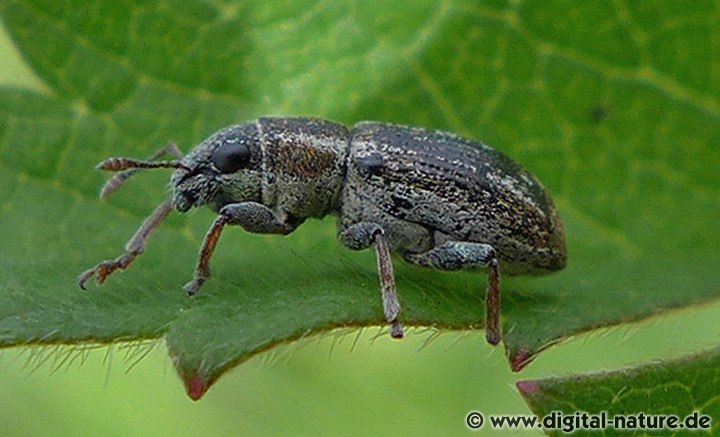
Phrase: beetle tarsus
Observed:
(104, 269)
(192, 287)
(396, 330)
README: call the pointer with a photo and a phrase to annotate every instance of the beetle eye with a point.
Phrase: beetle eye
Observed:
(231, 157)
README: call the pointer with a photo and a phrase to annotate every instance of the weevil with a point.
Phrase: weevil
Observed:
(435, 198)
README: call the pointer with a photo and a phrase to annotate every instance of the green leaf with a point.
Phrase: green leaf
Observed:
(679, 388)
(614, 107)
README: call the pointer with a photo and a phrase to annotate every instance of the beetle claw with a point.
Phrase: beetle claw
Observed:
(84, 277)
(102, 270)
(396, 330)
(192, 287)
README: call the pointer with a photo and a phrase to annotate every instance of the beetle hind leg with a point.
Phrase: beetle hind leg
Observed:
(457, 255)
(361, 236)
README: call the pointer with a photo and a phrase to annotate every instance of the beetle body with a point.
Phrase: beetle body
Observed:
(437, 199)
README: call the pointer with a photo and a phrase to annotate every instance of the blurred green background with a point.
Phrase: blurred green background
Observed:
(343, 382)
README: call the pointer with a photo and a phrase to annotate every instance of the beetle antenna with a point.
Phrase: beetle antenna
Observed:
(126, 167)
(120, 164)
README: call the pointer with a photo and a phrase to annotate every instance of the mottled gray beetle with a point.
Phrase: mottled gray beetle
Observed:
(435, 198)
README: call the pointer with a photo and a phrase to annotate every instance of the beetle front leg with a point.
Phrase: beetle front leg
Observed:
(252, 216)
(134, 247)
(455, 255)
(361, 236)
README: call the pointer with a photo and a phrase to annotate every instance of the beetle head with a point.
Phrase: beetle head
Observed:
(225, 168)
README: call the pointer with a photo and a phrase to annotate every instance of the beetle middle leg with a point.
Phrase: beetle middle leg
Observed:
(253, 217)
(456, 255)
(361, 236)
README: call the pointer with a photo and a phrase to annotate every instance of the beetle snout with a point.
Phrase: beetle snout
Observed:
(182, 203)
(193, 190)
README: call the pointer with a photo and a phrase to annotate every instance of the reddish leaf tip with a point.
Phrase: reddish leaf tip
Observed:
(520, 359)
(196, 386)
(528, 388)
